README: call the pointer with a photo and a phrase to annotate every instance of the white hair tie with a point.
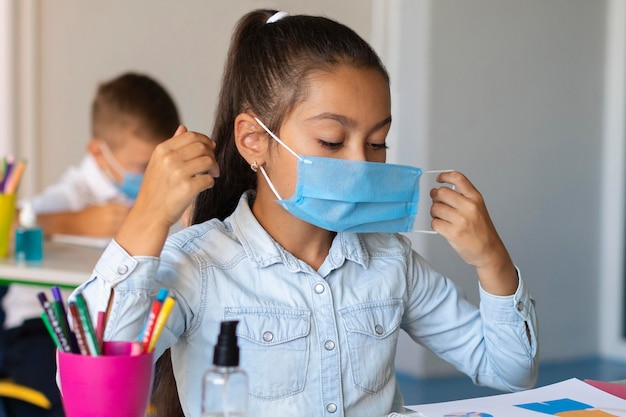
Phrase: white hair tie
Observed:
(277, 16)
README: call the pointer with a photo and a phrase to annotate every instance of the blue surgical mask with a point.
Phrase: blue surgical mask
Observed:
(352, 196)
(130, 185)
(131, 181)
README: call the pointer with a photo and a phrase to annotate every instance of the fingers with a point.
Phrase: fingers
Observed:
(459, 181)
(179, 169)
(180, 130)
(453, 211)
(186, 147)
(182, 137)
(461, 217)
(456, 211)
(200, 172)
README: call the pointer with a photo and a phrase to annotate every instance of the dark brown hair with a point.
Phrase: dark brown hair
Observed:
(136, 101)
(266, 72)
(164, 400)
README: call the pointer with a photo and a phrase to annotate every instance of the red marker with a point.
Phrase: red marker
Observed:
(151, 321)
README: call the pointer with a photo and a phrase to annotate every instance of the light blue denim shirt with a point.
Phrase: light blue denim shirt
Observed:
(314, 343)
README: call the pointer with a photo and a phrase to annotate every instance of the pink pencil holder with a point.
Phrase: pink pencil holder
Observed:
(114, 384)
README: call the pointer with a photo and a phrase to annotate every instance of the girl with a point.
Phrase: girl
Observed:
(319, 308)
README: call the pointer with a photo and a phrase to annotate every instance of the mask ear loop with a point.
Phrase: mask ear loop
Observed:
(284, 145)
(267, 179)
(276, 138)
(429, 231)
(110, 158)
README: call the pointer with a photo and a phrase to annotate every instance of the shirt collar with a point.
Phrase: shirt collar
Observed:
(263, 250)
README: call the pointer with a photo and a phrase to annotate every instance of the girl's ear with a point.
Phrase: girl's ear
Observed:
(250, 139)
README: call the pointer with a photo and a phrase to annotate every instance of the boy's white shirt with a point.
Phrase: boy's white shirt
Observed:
(80, 186)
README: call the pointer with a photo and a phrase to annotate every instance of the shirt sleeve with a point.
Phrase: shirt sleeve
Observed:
(126, 286)
(495, 344)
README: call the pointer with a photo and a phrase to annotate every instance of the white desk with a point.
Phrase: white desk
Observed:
(64, 264)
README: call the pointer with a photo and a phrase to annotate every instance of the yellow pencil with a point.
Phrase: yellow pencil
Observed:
(160, 321)
(14, 179)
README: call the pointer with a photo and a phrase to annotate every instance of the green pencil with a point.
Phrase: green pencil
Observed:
(90, 334)
(46, 322)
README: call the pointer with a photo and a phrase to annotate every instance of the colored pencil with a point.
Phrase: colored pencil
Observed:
(148, 328)
(168, 304)
(14, 180)
(85, 320)
(79, 331)
(7, 165)
(46, 322)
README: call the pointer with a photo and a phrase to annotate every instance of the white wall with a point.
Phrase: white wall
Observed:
(518, 105)
(7, 93)
(516, 102)
(508, 91)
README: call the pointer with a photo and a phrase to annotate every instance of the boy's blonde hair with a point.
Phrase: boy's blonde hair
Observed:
(133, 101)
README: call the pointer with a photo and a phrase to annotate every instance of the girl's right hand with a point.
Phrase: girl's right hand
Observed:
(179, 169)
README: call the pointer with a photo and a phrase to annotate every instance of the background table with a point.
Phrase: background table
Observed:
(66, 265)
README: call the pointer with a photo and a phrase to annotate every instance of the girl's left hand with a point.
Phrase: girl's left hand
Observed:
(462, 218)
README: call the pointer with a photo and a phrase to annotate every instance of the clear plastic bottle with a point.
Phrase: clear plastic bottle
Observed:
(28, 236)
(225, 385)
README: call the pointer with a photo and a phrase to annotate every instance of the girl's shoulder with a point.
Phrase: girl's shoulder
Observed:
(211, 237)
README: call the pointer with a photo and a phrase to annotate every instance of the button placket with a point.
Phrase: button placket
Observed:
(330, 361)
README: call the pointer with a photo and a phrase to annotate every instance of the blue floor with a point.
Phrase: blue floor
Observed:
(430, 390)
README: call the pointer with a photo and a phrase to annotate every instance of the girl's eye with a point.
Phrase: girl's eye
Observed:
(330, 145)
(379, 146)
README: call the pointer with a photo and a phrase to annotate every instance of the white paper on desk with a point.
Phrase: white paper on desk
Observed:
(92, 242)
(570, 398)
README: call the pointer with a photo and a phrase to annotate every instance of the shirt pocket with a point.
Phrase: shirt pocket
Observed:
(372, 333)
(274, 349)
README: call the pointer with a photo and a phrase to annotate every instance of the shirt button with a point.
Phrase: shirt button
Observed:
(268, 336)
(331, 408)
(520, 305)
(122, 269)
(329, 345)
(319, 288)
(379, 329)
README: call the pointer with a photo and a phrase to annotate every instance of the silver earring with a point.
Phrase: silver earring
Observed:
(254, 166)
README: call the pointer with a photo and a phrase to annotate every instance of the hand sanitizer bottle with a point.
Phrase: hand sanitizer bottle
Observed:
(28, 236)
(225, 386)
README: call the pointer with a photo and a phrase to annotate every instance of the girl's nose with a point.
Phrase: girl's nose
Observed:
(357, 153)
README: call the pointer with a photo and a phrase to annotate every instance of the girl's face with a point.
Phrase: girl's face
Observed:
(346, 114)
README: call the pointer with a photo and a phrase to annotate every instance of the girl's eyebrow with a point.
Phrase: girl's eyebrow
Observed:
(346, 121)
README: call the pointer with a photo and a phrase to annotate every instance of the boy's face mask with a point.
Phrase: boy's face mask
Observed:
(131, 181)
(352, 196)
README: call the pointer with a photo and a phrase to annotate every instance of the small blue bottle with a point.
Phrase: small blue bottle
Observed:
(28, 236)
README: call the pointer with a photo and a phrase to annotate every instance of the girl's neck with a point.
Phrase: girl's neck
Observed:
(303, 240)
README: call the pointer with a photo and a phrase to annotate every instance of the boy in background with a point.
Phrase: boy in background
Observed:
(131, 115)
